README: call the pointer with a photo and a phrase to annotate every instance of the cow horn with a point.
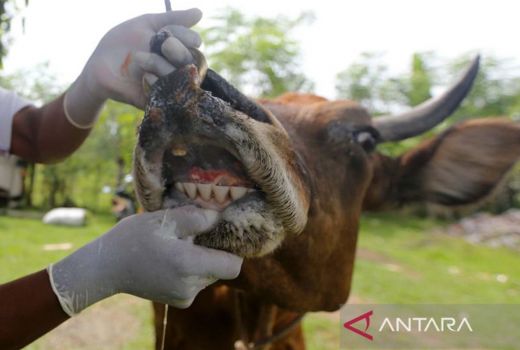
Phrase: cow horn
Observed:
(429, 113)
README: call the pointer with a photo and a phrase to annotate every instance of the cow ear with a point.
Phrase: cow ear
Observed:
(461, 166)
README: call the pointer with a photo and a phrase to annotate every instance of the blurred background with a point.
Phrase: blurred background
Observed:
(387, 55)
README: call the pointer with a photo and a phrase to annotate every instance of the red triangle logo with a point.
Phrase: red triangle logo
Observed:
(366, 316)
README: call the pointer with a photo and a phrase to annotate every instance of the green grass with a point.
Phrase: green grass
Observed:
(409, 263)
(400, 260)
(321, 332)
(22, 243)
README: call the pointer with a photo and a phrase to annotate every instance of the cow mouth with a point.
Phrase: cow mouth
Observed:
(199, 171)
(205, 175)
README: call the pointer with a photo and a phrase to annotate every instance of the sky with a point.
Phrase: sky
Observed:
(65, 32)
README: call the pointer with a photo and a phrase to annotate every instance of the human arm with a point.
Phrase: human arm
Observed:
(144, 255)
(28, 309)
(44, 135)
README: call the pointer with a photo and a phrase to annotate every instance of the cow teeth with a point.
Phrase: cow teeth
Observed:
(205, 191)
(237, 192)
(191, 189)
(180, 187)
(221, 193)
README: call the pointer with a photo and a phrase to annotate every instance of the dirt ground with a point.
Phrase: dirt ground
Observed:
(115, 323)
(121, 322)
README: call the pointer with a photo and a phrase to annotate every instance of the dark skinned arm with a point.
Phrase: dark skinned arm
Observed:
(28, 309)
(44, 135)
(28, 306)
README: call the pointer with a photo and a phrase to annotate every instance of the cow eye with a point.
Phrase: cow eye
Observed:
(343, 134)
(367, 137)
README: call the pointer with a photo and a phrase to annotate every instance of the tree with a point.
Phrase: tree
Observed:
(367, 81)
(358, 82)
(256, 54)
(103, 160)
(496, 92)
(8, 9)
(420, 81)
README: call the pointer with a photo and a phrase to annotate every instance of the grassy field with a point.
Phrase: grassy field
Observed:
(399, 260)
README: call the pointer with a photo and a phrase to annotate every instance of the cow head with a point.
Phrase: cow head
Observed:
(300, 169)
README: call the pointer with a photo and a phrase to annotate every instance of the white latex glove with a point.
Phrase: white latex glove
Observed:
(149, 255)
(115, 69)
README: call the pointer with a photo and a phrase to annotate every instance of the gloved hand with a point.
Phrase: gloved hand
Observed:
(115, 69)
(148, 255)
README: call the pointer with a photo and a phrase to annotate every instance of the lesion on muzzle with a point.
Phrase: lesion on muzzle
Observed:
(199, 147)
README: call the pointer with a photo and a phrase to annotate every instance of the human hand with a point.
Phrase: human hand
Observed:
(116, 67)
(149, 255)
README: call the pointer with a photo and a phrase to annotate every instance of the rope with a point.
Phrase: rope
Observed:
(164, 324)
(275, 337)
(165, 317)
(168, 6)
(263, 343)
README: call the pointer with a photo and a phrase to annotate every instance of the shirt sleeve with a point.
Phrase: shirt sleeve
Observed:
(10, 103)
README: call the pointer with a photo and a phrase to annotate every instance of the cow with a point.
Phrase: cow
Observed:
(289, 179)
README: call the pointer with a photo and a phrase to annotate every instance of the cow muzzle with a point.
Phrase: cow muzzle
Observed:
(195, 148)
